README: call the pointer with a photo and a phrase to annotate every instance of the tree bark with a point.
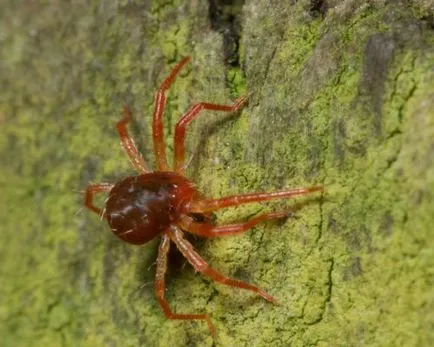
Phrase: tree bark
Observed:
(341, 94)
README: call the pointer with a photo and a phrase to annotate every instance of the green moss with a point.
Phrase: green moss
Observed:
(237, 82)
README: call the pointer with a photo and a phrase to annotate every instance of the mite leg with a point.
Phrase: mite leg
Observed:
(200, 265)
(208, 230)
(157, 125)
(160, 286)
(128, 144)
(90, 192)
(190, 115)
(201, 206)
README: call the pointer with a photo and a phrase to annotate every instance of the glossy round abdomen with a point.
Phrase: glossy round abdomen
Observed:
(141, 207)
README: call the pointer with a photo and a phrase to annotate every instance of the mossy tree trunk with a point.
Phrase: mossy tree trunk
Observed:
(341, 93)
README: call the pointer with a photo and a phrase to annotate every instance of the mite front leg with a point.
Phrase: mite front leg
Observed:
(208, 230)
(90, 192)
(128, 144)
(160, 287)
(201, 266)
(201, 206)
(157, 124)
(191, 114)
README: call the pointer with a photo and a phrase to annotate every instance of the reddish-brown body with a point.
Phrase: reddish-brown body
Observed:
(164, 202)
(139, 208)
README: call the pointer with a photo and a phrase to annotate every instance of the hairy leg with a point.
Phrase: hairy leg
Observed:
(160, 286)
(128, 144)
(157, 125)
(200, 265)
(208, 230)
(201, 206)
(90, 192)
(189, 116)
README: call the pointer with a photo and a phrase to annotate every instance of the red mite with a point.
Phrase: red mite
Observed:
(165, 203)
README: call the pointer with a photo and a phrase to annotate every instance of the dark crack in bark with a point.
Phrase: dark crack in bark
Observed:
(318, 8)
(328, 295)
(224, 16)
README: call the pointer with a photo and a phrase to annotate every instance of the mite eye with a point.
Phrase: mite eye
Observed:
(201, 218)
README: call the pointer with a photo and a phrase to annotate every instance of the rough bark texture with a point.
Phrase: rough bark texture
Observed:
(341, 94)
